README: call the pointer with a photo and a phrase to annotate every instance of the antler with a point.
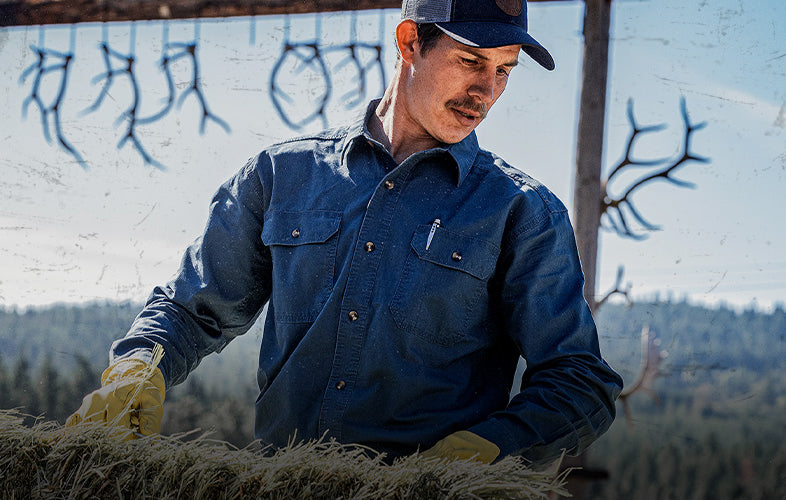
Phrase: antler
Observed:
(614, 209)
(41, 68)
(651, 356)
(617, 290)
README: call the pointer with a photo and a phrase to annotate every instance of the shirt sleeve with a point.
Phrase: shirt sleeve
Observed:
(568, 391)
(222, 284)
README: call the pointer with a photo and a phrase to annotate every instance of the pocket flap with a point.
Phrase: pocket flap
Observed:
(299, 228)
(458, 251)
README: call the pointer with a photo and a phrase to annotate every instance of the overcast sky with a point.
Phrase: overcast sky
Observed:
(118, 227)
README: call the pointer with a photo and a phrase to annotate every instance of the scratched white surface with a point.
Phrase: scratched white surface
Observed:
(116, 229)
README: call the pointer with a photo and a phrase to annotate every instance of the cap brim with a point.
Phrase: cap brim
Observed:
(494, 34)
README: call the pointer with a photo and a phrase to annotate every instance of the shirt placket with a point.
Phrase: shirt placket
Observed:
(353, 317)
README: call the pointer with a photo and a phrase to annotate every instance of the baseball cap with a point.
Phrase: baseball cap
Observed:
(480, 23)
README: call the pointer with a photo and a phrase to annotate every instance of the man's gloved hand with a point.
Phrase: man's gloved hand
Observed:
(466, 445)
(131, 396)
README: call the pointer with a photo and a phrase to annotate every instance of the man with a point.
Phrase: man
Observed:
(405, 271)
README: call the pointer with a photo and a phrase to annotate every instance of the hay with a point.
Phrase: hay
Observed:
(92, 461)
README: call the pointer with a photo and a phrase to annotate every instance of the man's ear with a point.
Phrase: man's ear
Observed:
(407, 39)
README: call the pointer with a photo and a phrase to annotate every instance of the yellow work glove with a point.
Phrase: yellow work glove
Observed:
(465, 445)
(131, 396)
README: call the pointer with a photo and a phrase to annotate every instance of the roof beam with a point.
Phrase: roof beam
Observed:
(40, 12)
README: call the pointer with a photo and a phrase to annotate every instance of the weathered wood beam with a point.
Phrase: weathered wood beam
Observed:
(587, 197)
(38, 12)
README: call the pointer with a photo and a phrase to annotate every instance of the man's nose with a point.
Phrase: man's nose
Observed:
(483, 87)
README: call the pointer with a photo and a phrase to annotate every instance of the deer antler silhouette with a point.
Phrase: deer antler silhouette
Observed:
(613, 210)
(41, 68)
(130, 115)
(312, 55)
(651, 357)
(617, 290)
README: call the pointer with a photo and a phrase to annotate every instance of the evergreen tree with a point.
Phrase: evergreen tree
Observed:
(5, 400)
(49, 391)
(21, 392)
(82, 380)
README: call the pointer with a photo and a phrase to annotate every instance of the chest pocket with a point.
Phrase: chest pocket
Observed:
(442, 293)
(303, 247)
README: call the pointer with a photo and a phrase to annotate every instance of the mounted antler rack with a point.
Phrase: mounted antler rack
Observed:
(312, 56)
(117, 66)
(171, 52)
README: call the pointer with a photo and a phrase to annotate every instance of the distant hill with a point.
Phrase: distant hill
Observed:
(699, 341)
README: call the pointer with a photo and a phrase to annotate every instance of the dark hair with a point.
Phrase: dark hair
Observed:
(428, 35)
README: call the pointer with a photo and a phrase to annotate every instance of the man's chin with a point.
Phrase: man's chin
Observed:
(455, 136)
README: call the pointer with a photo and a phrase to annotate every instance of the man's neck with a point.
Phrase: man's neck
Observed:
(377, 130)
(392, 127)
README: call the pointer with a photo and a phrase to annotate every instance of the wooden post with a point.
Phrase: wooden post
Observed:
(589, 144)
(587, 186)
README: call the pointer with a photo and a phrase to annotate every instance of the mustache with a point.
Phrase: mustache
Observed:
(468, 104)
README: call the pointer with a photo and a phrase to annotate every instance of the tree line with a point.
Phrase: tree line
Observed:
(714, 429)
(51, 357)
(52, 395)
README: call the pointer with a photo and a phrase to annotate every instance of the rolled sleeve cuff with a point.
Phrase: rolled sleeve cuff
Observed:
(535, 449)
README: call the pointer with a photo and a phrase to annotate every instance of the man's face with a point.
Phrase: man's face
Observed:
(451, 88)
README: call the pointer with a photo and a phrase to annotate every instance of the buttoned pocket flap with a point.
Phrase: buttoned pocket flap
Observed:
(470, 255)
(299, 228)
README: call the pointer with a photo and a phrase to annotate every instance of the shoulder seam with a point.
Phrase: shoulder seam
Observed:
(327, 135)
(550, 201)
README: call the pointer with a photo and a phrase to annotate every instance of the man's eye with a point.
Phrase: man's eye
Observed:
(470, 62)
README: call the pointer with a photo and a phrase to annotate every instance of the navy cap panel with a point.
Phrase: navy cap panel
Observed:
(487, 10)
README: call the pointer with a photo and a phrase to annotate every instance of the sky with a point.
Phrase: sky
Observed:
(114, 226)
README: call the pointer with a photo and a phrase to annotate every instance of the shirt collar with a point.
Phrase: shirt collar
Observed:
(463, 153)
(358, 129)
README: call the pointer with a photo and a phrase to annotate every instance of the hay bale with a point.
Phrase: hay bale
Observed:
(93, 461)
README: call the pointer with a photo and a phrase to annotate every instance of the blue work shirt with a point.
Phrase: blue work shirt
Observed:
(399, 299)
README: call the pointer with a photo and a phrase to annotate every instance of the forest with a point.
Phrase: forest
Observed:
(712, 427)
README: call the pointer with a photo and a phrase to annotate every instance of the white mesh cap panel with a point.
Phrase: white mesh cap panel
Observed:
(434, 11)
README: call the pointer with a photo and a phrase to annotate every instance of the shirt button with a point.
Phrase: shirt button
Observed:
(370, 246)
(353, 315)
(456, 256)
(295, 233)
(389, 184)
(341, 385)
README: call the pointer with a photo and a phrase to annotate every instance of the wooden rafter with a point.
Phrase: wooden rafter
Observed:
(38, 12)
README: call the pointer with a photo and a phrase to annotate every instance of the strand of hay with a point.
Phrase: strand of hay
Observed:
(49, 461)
